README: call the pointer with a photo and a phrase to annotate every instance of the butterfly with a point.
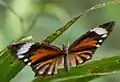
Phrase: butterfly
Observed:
(44, 59)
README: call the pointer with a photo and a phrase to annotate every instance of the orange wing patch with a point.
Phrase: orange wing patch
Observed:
(86, 43)
(43, 53)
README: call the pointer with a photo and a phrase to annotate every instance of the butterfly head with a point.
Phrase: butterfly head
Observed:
(64, 48)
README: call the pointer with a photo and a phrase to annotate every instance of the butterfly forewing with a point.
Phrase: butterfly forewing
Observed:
(84, 47)
(44, 52)
(44, 59)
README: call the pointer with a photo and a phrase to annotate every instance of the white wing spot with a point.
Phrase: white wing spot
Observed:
(90, 52)
(103, 36)
(81, 61)
(99, 31)
(24, 48)
(29, 63)
(100, 41)
(21, 56)
(49, 72)
(88, 57)
(40, 72)
(25, 60)
(97, 45)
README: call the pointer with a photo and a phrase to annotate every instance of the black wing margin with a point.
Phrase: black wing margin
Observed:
(84, 47)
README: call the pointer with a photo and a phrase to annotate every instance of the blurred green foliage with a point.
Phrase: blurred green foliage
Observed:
(53, 14)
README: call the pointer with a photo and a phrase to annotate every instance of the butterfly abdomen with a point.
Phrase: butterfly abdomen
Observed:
(66, 58)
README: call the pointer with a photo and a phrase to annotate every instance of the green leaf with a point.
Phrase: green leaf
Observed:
(86, 72)
(55, 35)
(9, 67)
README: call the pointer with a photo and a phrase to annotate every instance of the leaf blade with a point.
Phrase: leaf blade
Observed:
(86, 72)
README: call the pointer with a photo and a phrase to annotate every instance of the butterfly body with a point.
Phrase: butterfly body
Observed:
(66, 58)
(45, 59)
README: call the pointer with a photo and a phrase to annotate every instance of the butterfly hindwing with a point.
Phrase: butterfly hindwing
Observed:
(46, 59)
(84, 47)
(48, 67)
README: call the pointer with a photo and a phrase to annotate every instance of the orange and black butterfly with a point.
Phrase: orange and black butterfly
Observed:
(44, 59)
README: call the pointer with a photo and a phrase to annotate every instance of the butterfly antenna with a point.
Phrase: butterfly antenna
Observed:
(68, 44)
(68, 38)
